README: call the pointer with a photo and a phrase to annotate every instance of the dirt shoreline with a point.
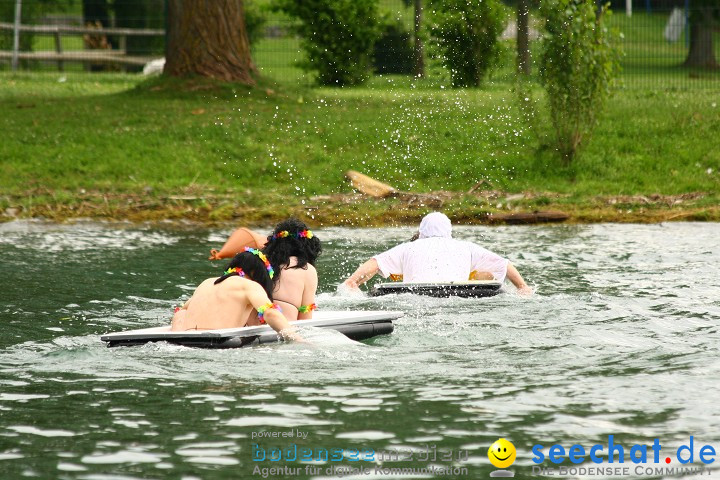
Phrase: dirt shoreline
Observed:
(488, 207)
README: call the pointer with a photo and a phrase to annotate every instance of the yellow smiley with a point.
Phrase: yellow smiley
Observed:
(501, 453)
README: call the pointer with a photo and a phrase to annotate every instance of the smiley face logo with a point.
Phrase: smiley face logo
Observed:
(501, 453)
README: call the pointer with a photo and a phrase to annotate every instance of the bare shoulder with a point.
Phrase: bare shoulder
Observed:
(308, 271)
(207, 281)
(309, 274)
(250, 286)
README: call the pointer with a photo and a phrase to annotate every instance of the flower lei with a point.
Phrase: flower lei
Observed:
(285, 233)
(235, 270)
(307, 308)
(263, 308)
(264, 259)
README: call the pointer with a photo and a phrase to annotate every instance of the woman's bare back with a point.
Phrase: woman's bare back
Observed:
(211, 306)
(296, 287)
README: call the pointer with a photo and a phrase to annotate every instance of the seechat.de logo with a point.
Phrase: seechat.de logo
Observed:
(502, 454)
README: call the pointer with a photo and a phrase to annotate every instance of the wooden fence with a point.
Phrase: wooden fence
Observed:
(87, 56)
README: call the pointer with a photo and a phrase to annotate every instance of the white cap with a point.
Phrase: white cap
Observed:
(435, 224)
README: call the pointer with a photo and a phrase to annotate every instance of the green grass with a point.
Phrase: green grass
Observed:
(278, 58)
(113, 133)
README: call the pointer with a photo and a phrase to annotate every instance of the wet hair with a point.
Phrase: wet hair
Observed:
(254, 270)
(279, 249)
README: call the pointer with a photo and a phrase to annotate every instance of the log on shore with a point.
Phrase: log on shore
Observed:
(528, 218)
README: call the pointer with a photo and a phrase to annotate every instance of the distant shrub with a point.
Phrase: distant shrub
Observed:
(337, 36)
(393, 51)
(578, 67)
(467, 35)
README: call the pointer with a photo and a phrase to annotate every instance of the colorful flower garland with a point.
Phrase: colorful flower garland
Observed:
(307, 308)
(263, 308)
(235, 270)
(264, 259)
(285, 233)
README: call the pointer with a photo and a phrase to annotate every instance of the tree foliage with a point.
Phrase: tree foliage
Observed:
(578, 67)
(466, 33)
(337, 36)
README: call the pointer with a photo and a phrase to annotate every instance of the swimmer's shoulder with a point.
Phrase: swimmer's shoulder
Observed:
(234, 282)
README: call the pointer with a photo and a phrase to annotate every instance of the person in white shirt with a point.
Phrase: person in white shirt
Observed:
(437, 258)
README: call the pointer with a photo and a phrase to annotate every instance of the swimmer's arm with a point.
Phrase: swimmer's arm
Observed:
(308, 296)
(179, 319)
(514, 276)
(257, 298)
(364, 273)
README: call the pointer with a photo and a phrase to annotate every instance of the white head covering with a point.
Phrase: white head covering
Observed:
(435, 224)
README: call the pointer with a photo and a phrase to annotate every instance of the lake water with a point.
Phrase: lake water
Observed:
(621, 339)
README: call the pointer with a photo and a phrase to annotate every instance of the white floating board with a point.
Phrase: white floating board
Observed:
(470, 288)
(357, 325)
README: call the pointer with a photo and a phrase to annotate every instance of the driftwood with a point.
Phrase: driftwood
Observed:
(480, 184)
(528, 218)
(373, 188)
(369, 186)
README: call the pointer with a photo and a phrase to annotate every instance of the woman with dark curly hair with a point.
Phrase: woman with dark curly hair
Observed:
(292, 250)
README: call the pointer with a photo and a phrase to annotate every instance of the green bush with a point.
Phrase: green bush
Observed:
(466, 34)
(578, 67)
(393, 51)
(337, 36)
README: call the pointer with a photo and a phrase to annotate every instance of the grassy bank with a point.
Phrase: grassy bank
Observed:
(115, 146)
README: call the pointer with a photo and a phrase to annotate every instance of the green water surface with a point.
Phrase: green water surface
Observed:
(621, 339)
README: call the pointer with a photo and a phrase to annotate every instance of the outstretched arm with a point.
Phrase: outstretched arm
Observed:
(364, 273)
(514, 276)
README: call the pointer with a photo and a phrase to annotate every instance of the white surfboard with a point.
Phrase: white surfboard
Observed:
(357, 325)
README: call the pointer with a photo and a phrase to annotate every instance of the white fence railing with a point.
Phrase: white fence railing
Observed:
(99, 55)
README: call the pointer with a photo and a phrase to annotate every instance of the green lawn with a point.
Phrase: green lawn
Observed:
(113, 133)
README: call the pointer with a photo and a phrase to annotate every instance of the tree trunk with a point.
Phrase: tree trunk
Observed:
(419, 48)
(523, 37)
(209, 39)
(701, 53)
